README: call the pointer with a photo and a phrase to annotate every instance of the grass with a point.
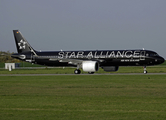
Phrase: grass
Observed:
(22, 64)
(101, 97)
(151, 69)
(135, 69)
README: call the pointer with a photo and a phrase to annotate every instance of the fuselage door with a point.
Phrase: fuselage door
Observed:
(142, 55)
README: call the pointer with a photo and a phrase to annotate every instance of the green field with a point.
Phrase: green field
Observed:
(151, 69)
(73, 97)
(67, 70)
(22, 64)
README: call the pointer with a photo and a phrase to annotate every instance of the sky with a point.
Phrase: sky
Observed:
(50, 25)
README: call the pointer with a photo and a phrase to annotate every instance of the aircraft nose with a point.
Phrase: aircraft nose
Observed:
(161, 60)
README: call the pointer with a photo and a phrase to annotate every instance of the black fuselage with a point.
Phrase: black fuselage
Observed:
(104, 57)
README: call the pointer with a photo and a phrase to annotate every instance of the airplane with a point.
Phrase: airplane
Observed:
(89, 61)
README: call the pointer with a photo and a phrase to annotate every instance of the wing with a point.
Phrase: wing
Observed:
(73, 61)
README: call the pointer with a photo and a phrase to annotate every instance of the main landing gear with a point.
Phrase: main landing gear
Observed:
(77, 71)
(145, 71)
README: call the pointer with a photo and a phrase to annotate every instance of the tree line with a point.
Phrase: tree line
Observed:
(5, 57)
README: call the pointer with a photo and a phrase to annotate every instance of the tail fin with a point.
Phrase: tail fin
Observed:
(21, 43)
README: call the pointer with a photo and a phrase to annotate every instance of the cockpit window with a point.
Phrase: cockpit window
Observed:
(154, 54)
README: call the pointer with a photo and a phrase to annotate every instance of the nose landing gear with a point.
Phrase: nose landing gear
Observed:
(145, 71)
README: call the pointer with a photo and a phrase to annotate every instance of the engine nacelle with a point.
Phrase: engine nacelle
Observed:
(110, 68)
(90, 66)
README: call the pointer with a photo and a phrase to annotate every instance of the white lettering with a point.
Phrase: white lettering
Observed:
(61, 54)
(96, 56)
(106, 55)
(112, 54)
(72, 55)
(90, 55)
(119, 54)
(136, 54)
(128, 54)
(80, 54)
(67, 53)
(101, 55)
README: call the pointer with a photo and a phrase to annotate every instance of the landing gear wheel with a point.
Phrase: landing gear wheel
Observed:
(145, 72)
(77, 71)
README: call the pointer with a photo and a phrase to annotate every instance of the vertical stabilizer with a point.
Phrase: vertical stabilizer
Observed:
(21, 43)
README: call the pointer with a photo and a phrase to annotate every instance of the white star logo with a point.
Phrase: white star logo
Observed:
(22, 44)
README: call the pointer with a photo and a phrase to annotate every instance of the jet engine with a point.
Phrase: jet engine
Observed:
(90, 66)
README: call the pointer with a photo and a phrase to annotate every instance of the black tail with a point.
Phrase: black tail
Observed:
(21, 43)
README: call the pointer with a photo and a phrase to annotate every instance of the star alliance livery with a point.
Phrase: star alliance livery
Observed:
(88, 61)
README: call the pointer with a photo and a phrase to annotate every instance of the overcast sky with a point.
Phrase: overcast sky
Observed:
(85, 24)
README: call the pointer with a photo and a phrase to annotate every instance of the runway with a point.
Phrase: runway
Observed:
(82, 74)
